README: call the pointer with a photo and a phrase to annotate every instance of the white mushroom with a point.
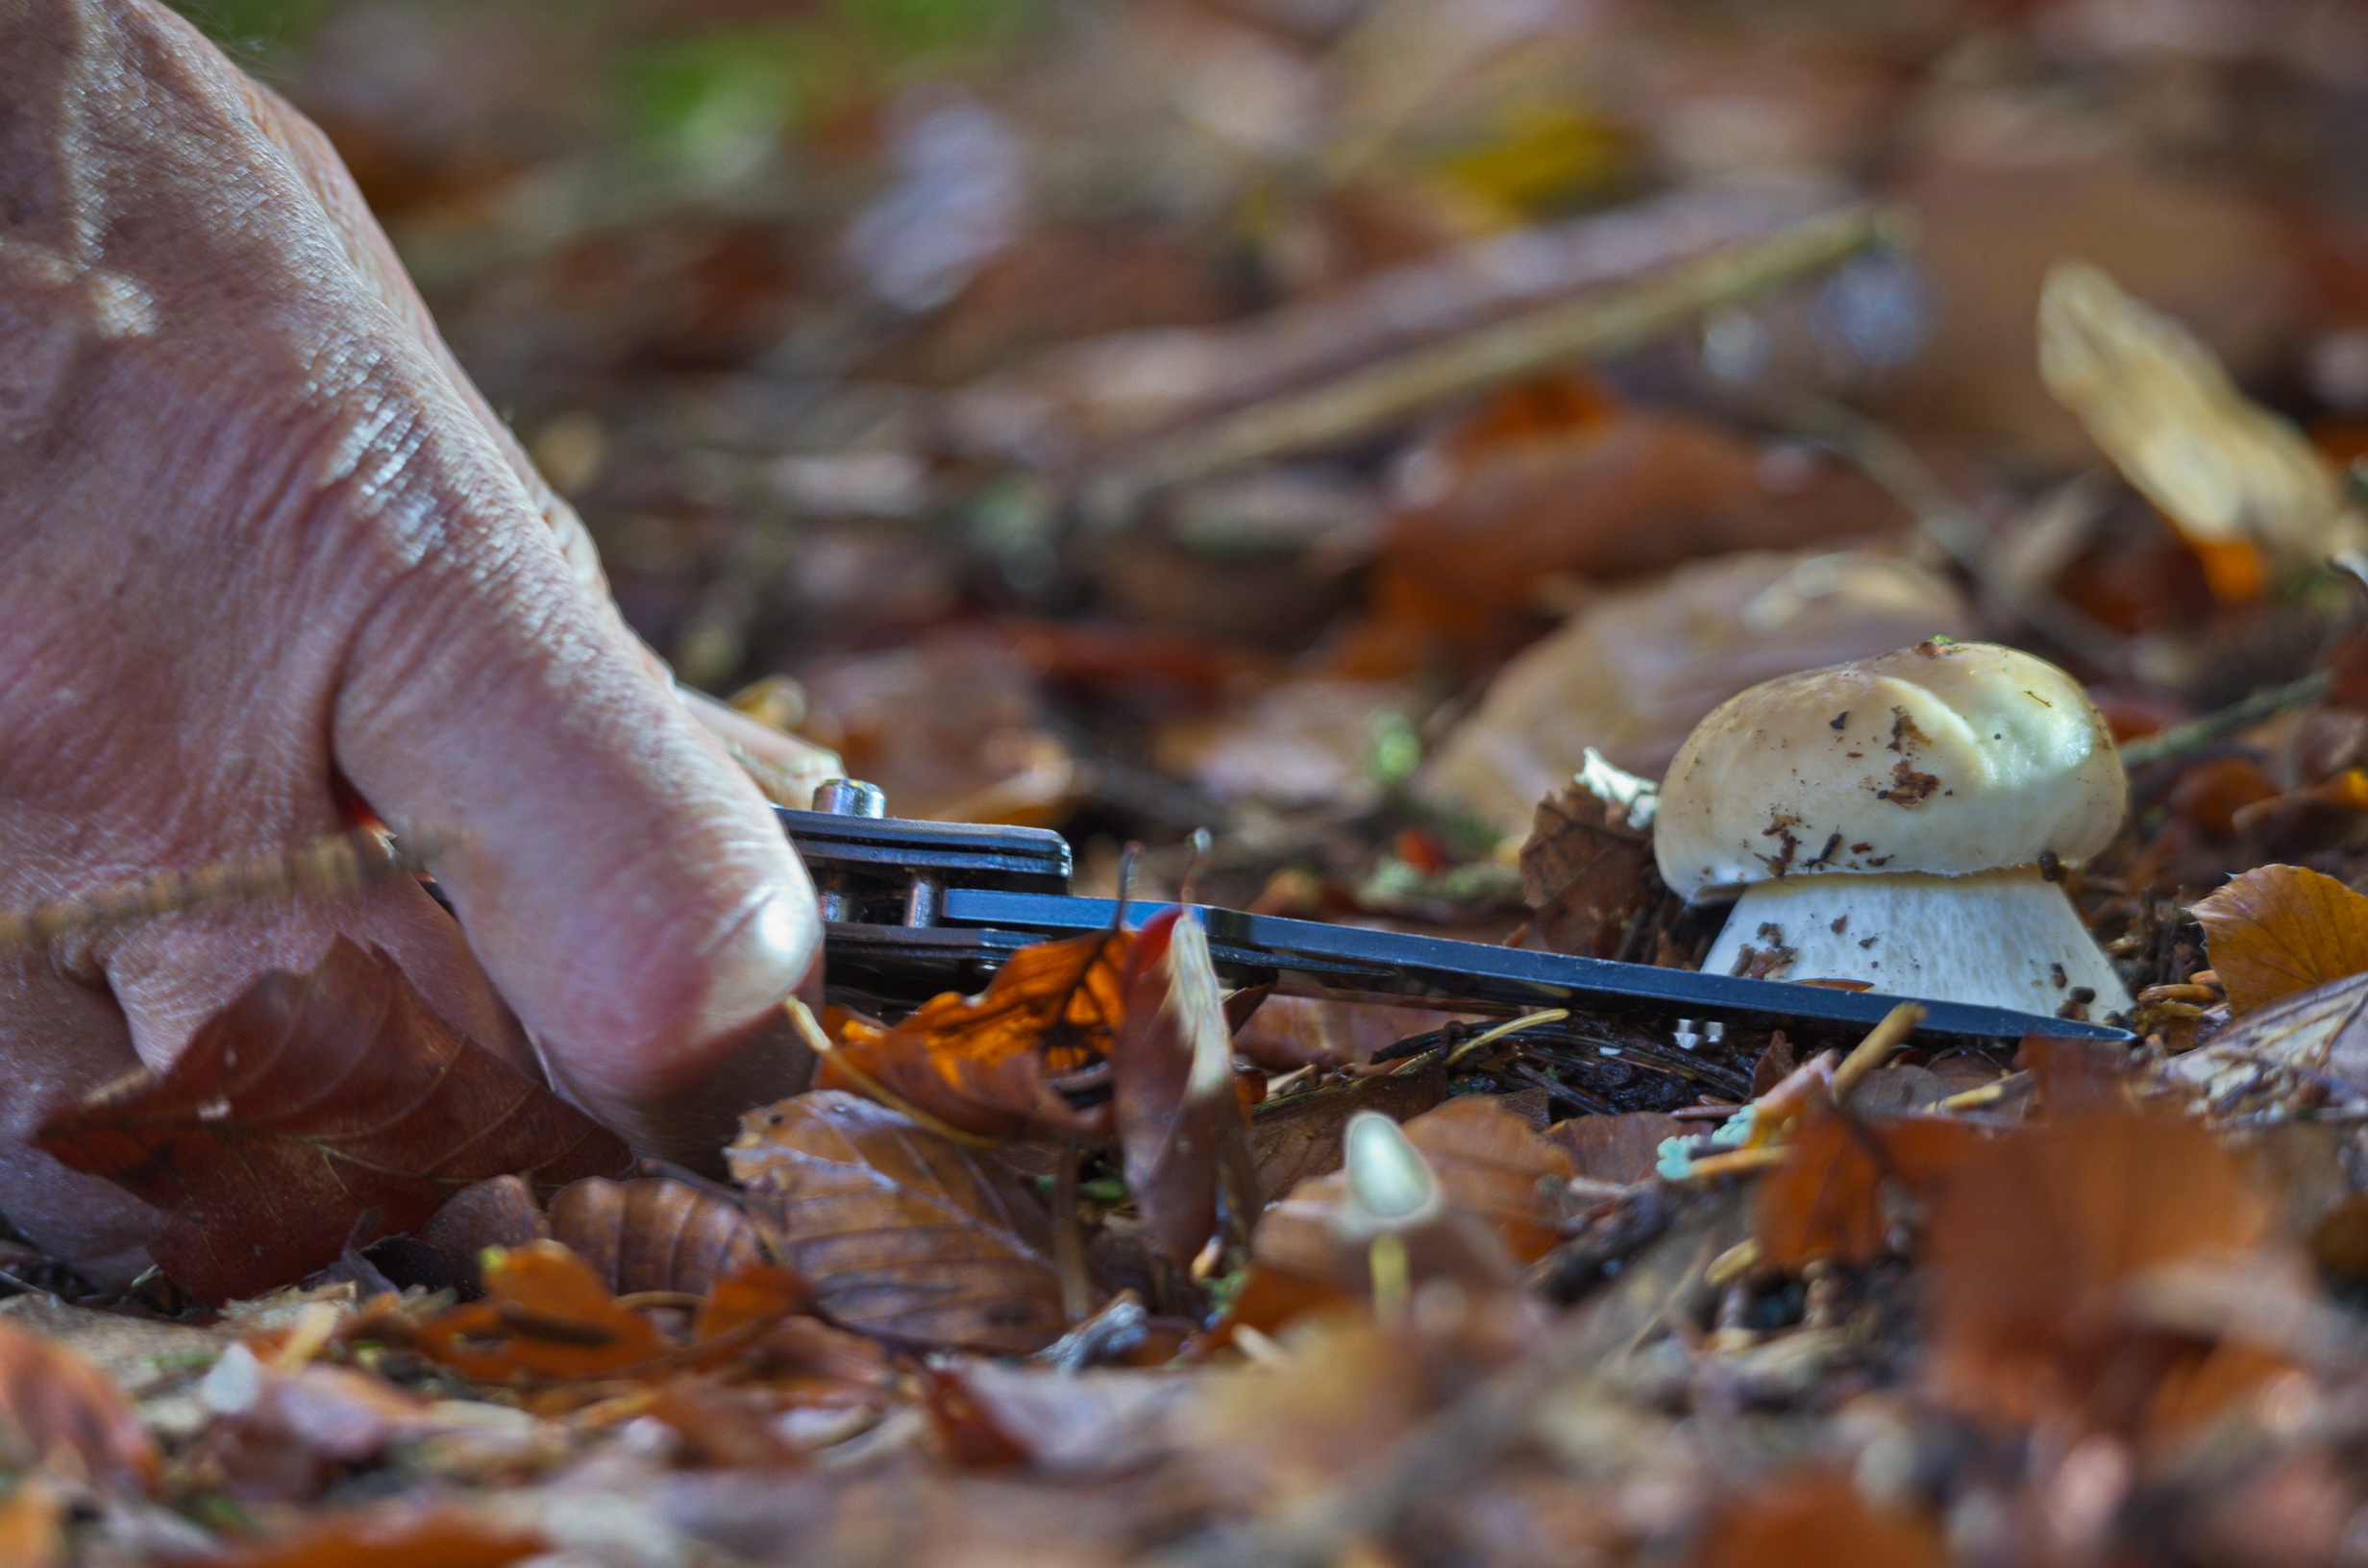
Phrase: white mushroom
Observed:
(1889, 822)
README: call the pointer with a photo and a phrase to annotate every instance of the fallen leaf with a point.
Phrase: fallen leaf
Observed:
(1586, 875)
(988, 1064)
(1294, 1139)
(2034, 1242)
(654, 1234)
(2242, 484)
(1179, 1122)
(2280, 929)
(304, 1104)
(61, 1414)
(546, 1315)
(1078, 1426)
(2319, 1036)
(1826, 1200)
(1289, 1032)
(1494, 1167)
(401, 1534)
(901, 1233)
(1811, 1520)
(1623, 1148)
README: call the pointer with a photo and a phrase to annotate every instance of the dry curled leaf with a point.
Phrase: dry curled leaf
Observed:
(990, 1064)
(1297, 1139)
(2280, 929)
(61, 1414)
(307, 1102)
(901, 1233)
(1179, 1122)
(546, 1315)
(654, 1234)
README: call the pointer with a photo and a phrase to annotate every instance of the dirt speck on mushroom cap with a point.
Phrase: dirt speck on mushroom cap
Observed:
(1947, 758)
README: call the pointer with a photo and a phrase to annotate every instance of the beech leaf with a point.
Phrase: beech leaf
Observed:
(2280, 929)
(1172, 1087)
(304, 1103)
(901, 1233)
(986, 1064)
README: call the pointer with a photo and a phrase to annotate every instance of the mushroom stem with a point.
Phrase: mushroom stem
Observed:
(2007, 938)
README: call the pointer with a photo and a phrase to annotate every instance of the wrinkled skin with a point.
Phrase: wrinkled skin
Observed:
(259, 535)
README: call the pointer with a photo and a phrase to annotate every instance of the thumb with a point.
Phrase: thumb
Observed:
(623, 884)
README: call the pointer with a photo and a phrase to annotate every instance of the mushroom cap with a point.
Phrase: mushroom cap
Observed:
(1945, 757)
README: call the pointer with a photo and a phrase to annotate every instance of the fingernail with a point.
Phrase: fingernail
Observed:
(757, 968)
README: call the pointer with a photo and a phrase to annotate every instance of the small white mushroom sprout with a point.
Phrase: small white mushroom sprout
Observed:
(1900, 821)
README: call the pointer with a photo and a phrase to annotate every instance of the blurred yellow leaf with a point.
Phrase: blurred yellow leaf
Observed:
(2241, 483)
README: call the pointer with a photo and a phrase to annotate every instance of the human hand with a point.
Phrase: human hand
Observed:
(259, 538)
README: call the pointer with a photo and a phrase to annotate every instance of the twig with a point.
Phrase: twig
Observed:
(1552, 1015)
(2264, 704)
(1383, 394)
(1880, 1042)
(326, 868)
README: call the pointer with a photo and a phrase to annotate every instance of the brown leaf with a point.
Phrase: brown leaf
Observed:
(1621, 1148)
(401, 1534)
(987, 1064)
(1495, 1169)
(1813, 1520)
(1826, 1200)
(1588, 876)
(654, 1234)
(307, 1101)
(1079, 1426)
(546, 1315)
(498, 1212)
(1171, 1086)
(2034, 1242)
(2319, 1035)
(2280, 929)
(901, 1233)
(1295, 1140)
(58, 1411)
(1290, 1031)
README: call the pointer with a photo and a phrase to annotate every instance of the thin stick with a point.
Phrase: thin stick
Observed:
(1384, 394)
(1880, 1042)
(326, 867)
(1552, 1015)
(2265, 703)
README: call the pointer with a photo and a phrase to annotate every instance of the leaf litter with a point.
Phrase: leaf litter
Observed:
(1254, 501)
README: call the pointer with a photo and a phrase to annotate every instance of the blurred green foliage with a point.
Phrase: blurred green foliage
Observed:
(252, 28)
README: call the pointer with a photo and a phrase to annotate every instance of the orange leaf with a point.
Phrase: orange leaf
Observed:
(2280, 929)
(1492, 1168)
(901, 1233)
(2035, 1242)
(306, 1102)
(544, 1313)
(1814, 1520)
(988, 1064)
(394, 1535)
(33, 1526)
(67, 1416)
(1826, 1199)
